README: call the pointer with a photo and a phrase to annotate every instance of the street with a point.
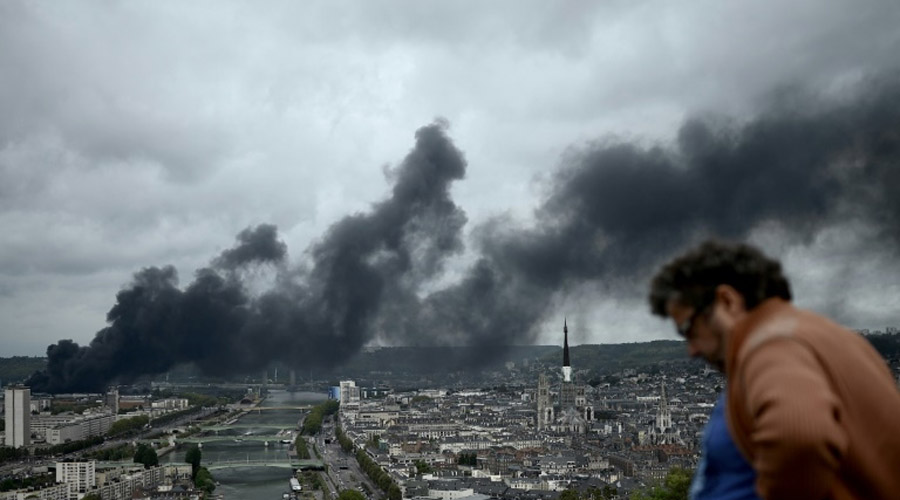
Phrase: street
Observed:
(343, 470)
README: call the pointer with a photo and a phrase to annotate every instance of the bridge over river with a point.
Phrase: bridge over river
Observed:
(278, 407)
(285, 463)
(249, 437)
(225, 427)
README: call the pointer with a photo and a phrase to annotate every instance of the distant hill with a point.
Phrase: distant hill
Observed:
(614, 357)
(18, 368)
(598, 359)
(604, 358)
(435, 360)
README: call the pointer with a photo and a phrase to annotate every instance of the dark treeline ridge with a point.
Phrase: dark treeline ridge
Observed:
(606, 358)
(428, 360)
(599, 359)
(19, 368)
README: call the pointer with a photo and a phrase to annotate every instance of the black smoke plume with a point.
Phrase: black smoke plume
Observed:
(255, 245)
(612, 212)
(316, 318)
(615, 210)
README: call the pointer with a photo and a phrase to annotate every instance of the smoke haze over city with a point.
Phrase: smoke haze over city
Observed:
(270, 216)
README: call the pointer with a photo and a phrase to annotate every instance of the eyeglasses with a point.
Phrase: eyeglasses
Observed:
(684, 328)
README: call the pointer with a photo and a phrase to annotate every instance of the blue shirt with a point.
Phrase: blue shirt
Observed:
(723, 473)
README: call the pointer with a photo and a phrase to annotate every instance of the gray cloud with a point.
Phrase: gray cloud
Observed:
(101, 91)
(613, 212)
(139, 135)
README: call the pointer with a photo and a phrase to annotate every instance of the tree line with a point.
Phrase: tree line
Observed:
(312, 424)
(302, 449)
(676, 486)
(200, 475)
(128, 426)
(37, 481)
(470, 459)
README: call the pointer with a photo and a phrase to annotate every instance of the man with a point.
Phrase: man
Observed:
(811, 405)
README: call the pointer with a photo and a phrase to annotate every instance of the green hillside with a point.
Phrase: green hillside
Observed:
(18, 368)
(606, 358)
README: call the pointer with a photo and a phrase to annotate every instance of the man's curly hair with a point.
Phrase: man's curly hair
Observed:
(692, 278)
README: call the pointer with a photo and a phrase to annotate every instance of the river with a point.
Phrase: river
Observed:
(254, 483)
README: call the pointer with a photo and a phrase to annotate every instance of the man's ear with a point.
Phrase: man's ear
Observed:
(732, 301)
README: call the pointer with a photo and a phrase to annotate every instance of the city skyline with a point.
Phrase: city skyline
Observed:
(142, 136)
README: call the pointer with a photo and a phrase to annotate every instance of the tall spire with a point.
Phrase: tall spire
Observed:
(565, 343)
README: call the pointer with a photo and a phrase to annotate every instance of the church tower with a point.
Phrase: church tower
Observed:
(545, 414)
(664, 432)
(566, 387)
(663, 414)
(571, 414)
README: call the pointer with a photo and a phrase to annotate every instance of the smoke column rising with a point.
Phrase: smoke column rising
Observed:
(318, 318)
(613, 212)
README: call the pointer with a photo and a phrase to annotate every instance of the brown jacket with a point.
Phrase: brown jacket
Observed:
(813, 407)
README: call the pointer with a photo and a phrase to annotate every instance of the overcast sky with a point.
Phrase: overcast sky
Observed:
(137, 134)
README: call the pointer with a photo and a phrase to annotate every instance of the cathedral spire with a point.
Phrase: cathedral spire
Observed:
(566, 368)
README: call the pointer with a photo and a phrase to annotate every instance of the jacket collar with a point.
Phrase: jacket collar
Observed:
(743, 328)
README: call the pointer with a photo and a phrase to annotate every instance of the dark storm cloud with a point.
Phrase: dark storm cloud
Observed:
(613, 211)
(803, 164)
